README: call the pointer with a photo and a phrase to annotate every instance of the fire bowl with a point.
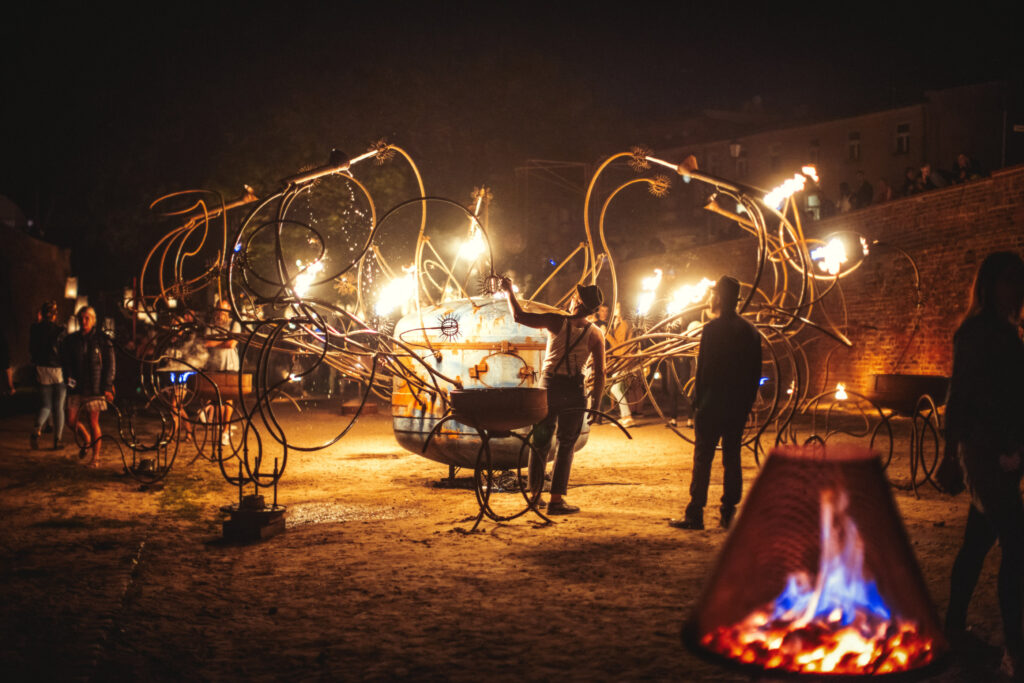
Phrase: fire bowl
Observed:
(501, 409)
(818, 577)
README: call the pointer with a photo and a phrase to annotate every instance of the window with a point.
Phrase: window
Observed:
(742, 166)
(903, 138)
(853, 146)
(775, 156)
(813, 152)
(713, 163)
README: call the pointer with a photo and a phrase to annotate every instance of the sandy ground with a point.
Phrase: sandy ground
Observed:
(376, 577)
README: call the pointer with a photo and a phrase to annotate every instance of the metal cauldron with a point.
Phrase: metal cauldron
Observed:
(500, 410)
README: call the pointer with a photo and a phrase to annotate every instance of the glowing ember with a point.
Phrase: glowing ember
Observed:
(841, 392)
(648, 290)
(834, 623)
(687, 295)
(397, 293)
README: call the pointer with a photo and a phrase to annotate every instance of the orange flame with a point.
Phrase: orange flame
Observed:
(834, 624)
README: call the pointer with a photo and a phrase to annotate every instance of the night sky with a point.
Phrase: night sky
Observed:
(104, 110)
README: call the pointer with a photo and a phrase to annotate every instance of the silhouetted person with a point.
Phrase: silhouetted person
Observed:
(728, 374)
(965, 168)
(44, 339)
(863, 194)
(984, 420)
(883, 192)
(931, 178)
(572, 341)
(845, 202)
(911, 181)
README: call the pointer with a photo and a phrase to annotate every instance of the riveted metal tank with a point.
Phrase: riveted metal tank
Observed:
(478, 343)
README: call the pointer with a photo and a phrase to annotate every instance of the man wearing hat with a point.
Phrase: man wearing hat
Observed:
(572, 341)
(728, 375)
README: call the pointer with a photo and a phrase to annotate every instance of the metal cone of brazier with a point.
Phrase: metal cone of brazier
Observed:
(817, 576)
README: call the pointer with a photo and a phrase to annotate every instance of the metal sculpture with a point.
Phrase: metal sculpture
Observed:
(312, 287)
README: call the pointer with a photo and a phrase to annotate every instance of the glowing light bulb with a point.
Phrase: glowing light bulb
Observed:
(841, 392)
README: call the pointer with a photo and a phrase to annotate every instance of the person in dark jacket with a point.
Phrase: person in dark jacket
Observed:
(87, 357)
(728, 375)
(985, 421)
(45, 337)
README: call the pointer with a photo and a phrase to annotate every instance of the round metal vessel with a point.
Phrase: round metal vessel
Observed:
(500, 410)
(478, 343)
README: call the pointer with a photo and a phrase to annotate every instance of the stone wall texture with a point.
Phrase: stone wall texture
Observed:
(945, 232)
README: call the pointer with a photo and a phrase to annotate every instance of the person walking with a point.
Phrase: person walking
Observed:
(728, 375)
(983, 420)
(87, 358)
(44, 339)
(572, 341)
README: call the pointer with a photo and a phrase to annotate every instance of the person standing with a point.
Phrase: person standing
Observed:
(571, 343)
(221, 341)
(983, 420)
(45, 337)
(87, 358)
(728, 375)
(616, 335)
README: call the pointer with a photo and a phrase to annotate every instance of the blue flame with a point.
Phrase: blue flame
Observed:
(840, 583)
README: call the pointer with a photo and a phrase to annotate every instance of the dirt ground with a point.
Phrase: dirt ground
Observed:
(377, 577)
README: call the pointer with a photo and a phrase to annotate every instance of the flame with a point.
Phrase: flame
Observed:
(688, 295)
(831, 256)
(474, 247)
(836, 622)
(648, 289)
(777, 197)
(841, 392)
(307, 274)
(397, 293)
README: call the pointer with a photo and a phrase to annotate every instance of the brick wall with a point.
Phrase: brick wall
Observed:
(947, 232)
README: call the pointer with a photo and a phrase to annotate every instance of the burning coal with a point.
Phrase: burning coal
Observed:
(835, 622)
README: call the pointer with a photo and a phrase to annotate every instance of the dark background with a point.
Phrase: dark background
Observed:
(106, 109)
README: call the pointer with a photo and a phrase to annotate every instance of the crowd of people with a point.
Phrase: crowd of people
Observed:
(916, 179)
(79, 367)
(75, 372)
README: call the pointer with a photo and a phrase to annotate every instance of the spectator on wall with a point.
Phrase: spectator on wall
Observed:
(845, 201)
(883, 191)
(911, 182)
(864, 193)
(931, 178)
(965, 168)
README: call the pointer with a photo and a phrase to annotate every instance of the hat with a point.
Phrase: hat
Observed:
(590, 296)
(727, 288)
